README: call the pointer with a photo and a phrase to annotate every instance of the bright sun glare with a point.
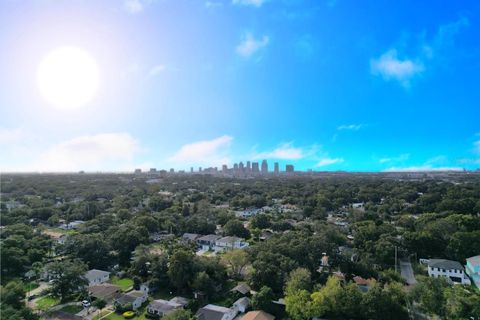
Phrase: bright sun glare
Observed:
(68, 77)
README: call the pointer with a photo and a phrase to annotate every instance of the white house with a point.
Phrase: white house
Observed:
(134, 298)
(207, 242)
(96, 276)
(453, 270)
(241, 305)
(230, 243)
(214, 312)
(162, 307)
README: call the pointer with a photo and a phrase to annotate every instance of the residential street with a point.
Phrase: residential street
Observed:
(407, 271)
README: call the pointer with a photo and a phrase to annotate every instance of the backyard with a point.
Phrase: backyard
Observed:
(124, 284)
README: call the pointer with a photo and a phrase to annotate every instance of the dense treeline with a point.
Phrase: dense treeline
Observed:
(422, 218)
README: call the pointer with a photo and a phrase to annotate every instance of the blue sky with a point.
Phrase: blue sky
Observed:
(325, 85)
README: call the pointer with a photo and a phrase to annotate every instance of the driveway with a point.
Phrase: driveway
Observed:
(407, 271)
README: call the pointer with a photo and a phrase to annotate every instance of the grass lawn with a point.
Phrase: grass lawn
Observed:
(47, 302)
(101, 314)
(29, 286)
(114, 316)
(72, 309)
(124, 283)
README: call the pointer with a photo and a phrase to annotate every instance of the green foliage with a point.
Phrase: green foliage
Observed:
(68, 277)
(262, 300)
(180, 314)
(235, 228)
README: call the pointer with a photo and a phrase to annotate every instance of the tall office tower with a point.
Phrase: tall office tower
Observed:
(249, 166)
(255, 167)
(191, 169)
(289, 168)
(276, 168)
(241, 167)
(264, 167)
(224, 168)
(199, 169)
(235, 167)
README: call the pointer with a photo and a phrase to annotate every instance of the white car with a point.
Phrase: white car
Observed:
(86, 303)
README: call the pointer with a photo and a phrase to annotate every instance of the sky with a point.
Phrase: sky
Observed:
(324, 85)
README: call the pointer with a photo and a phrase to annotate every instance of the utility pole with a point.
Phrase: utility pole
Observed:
(395, 258)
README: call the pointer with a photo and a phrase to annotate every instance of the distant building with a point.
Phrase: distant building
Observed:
(276, 168)
(137, 171)
(230, 243)
(224, 168)
(153, 170)
(452, 270)
(249, 166)
(191, 169)
(214, 312)
(241, 167)
(289, 168)
(264, 167)
(172, 170)
(255, 168)
(473, 269)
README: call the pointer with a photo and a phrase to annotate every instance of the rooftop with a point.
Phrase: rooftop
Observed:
(444, 264)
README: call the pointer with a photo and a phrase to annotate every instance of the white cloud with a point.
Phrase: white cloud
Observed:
(476, 146)
(328, 161)
(249, 45)
(421, 168)
(157, 69)
(285, 151)
(135, 6)
(253, 3)
(353, 127)
(389, 66)
(402, 157)
(207, 152)
(213, 4)
(105, 151)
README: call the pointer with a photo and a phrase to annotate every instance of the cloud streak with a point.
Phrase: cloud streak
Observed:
(206, 152)
(391, 67)
(249, 45)
(252, 3)
(323, 162)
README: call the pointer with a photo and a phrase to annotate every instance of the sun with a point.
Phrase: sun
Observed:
(68, 77)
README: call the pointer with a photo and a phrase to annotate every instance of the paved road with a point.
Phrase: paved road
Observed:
(407, 271)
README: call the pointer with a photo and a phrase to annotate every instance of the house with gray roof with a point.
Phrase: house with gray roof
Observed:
(452, 270)
(96, 276)
(214, 312)
(208, 242)
(230, 243)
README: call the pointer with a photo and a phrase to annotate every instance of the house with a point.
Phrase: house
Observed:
(58, 237)
(181, 301)
(162, 307)
(323, 264)
(133, 299)
(208, 242)
(72, 225)
(473, 269)
(453, 270)
(105, 291)
(160, 236)
(258, 315)
(247, 213)
(230, 243)
(190, 237)
(96, 276)
(241, 288)
(265, 235)
(214, 312)
(241, 305)
(363, 284)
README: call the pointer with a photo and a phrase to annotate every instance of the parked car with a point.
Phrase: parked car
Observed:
(86, 303)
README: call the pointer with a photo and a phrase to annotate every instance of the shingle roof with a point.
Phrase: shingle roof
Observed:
(211, 312)
(95, 273)
(243, 288)
(209, 237)
(445, 264)
(258, 315)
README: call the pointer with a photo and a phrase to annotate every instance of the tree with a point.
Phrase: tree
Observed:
(260, 221)
(429, 293)
(203, 282)
(235, 228)
(180, 270)
(298, 279)
(13, 294)
(237, 260)
(180, 314)
(99, 303)
(462, 303)
(297, 303)
(68, 277)
(262, 300)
